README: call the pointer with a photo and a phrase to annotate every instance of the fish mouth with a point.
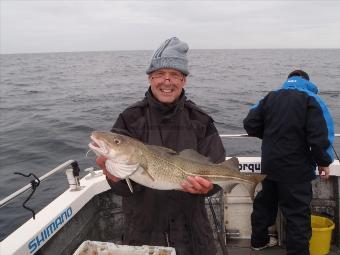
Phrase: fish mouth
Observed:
(98, 146)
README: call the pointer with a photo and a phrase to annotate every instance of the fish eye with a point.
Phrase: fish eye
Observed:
(116, 141)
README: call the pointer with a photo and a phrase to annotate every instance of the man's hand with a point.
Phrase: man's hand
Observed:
(324, 172)
(197, 185)
(101, 163)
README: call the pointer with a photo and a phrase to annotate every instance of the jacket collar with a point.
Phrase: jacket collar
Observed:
(167, 110)
(297, 82)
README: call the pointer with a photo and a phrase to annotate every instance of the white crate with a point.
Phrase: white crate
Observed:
(106, 248)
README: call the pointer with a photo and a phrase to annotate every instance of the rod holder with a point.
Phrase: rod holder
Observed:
(73, 180)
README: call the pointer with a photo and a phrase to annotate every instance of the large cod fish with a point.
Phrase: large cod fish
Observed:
(164, 169)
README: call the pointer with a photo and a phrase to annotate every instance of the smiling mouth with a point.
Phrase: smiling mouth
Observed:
(167, 90)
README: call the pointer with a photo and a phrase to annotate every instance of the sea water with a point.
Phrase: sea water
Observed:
(50, 103)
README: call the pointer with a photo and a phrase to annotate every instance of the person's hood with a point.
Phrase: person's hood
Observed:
(297, 82)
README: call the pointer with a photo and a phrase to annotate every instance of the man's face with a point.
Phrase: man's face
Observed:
(166, 84)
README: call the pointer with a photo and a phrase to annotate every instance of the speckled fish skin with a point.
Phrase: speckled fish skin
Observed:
(164, 169)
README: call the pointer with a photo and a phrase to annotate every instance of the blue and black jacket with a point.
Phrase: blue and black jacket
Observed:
(296, 129)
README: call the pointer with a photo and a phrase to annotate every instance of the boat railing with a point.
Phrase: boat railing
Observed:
(75, 171)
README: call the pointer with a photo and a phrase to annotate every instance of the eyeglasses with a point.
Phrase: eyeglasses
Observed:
(171, 76)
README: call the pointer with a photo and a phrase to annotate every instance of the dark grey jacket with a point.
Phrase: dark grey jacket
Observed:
(158, 217)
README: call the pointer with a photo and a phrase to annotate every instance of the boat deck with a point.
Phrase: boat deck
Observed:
(268, 251)
(277, 250)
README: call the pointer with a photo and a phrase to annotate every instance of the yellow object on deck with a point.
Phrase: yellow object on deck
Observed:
(320, 242)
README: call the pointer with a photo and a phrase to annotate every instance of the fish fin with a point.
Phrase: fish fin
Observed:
(145, 172)
(162, 150)
(251, 189)
(231, 163)
(143, 168)
(256, 179)
(129, 184)
(193, 155)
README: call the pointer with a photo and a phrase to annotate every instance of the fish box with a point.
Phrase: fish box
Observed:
(106, 248)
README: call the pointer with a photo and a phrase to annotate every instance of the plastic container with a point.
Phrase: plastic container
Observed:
(320, 242)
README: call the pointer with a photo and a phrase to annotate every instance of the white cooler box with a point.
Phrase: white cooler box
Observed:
(106, 248)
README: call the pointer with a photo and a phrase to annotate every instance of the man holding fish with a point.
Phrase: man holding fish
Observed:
(165, 117)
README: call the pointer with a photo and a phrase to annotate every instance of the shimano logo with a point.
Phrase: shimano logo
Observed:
(40, 239)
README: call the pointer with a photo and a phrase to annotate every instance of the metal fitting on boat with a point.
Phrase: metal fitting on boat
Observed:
(73, 181)
(230, 233)
(93, 174)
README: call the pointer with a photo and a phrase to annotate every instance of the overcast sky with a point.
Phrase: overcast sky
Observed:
(59, 26)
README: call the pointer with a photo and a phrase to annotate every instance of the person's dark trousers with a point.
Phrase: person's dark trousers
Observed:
(294, 201)
(264, 213)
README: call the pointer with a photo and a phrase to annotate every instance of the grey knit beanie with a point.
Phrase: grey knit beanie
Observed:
(171, 54)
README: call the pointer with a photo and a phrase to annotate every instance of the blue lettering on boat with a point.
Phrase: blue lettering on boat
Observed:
(39, 239)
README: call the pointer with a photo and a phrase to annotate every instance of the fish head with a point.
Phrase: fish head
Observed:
(116, 147)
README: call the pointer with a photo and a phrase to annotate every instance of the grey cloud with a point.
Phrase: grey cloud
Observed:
(38, 26)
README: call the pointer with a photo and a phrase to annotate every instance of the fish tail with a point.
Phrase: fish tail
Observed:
(255, 180)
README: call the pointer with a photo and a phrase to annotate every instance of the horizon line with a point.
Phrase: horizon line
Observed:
(194, 49)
